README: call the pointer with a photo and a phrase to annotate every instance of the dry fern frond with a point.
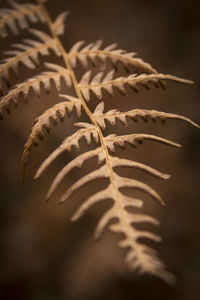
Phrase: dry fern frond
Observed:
(50, 116)
(92, 51)
(125, 219)
(139, 256)
(18, 17)
(35, 83)
(78, 162)
(70, 141)
(112, 115)
(107, 83)
(27, 53)
(119, 162)
(75, 163)
(133, 140)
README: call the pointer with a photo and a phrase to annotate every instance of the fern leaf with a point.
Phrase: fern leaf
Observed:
(67, 144)
(127, 182)
(18, 17)
(144, 114)
(118, 162)
(75, 163)
(97, 197)
(73, 103)
(120, 182)
(34, 83)
(134, 139)
(102, 172)
(51, 115)
(28, 53)
(130, 218)
(92, 51)
(59, 23)
(133, 81)
(139, 256)
(103, 195)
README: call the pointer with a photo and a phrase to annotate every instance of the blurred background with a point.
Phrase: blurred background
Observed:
(45, 256)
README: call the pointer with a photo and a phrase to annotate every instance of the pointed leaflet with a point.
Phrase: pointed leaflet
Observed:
(131, 218)
(34, 83)
(115, 55)
(75, 163)
(97, 197)
(59, 23)
(107, 193)
(51, 115)
(136, 184)
(99, 110)
(119, 83)
(18, 17)
(83, 85)
(67, 144)
(102, 172)
(28, 53)
(144, 114)
(119, 162)
(132, 139)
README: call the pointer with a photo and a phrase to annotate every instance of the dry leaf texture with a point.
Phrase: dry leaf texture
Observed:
(18, 17)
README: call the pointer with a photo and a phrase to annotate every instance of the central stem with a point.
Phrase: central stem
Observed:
(75, 83)
(118, 204)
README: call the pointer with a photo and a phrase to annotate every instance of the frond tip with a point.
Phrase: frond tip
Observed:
(139, 256)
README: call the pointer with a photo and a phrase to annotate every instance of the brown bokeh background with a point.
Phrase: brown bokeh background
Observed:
(45, 256)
